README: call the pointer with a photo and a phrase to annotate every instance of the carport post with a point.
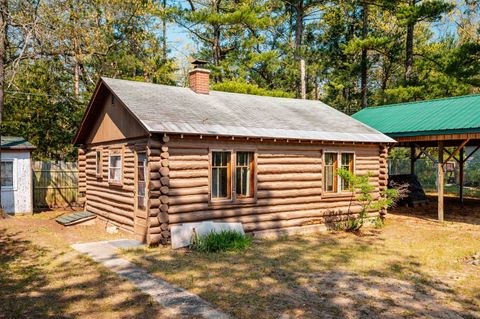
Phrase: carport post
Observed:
(462, 163)
(440, 181)
(413, 157)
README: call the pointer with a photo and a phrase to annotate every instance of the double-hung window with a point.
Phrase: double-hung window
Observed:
(223, 165)
(115, 168)
(7, 178)
(330, 172)
(332, 161)
(221, 175)
(244, 174)
(346, 164)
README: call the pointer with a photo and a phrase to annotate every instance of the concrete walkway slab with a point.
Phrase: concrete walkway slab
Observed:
(176, 301)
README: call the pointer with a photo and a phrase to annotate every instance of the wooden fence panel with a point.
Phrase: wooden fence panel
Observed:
(54, 184)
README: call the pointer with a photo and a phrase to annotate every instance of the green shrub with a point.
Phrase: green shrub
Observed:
(239, 86)
(225, 240)
(365, 198)
(378, 222)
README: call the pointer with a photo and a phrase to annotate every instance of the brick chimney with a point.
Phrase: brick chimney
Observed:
(198, 77)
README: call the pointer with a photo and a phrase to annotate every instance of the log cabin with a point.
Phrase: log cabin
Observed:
(151, 156)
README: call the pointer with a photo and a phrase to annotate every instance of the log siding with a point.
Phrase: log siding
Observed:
(288, 183)
(114, 202)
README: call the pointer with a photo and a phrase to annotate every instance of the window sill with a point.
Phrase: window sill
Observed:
(8, 188)
(246, 200)
(230, 203)
(115, 184)
(335, 195)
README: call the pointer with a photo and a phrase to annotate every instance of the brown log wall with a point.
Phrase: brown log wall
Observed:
(114, 203)
(82, 177)
(158, 191)
(289, 183)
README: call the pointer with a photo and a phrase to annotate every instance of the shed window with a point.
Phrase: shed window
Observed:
(98, 163)
(221, 175)
(7, 174)
(244, 174)
(347, 164)
(330, 172)
(115, 168)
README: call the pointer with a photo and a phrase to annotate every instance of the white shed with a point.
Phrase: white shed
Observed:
(16, 175)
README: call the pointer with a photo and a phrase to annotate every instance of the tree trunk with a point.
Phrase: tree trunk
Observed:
(3, 51)
(303, 85)
(299, 8)
(216, 50)
(409, 49)
(76, 78)
(364, 62)
(164, 31)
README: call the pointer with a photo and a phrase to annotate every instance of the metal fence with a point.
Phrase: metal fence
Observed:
(426, 172)
(55, 184)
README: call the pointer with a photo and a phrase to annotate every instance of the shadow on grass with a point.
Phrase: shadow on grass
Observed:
(36, 282)
(306, 278)
(454, 210)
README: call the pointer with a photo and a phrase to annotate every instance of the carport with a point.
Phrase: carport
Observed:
(449, 122)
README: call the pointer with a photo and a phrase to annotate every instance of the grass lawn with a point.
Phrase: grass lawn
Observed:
(41, 276)
(413, 267)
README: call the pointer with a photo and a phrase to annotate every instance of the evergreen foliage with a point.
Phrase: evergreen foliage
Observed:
(352, 53)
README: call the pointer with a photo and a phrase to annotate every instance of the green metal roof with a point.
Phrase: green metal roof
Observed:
(15, 143)
(452, 115)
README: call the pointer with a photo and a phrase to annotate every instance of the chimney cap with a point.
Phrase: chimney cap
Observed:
(198, 63)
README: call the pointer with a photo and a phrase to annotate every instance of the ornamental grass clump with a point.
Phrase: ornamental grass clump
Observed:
(225, 240)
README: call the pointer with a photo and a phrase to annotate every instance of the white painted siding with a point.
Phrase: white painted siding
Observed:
(18, 199)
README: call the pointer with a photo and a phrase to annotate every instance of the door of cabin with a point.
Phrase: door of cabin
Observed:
(140, 195)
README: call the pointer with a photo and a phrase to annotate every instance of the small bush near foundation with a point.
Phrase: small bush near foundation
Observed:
(225, 240)
(366, 199)
(378, 222)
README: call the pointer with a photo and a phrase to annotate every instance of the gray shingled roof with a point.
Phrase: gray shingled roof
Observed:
(15, 143)
(170, 109)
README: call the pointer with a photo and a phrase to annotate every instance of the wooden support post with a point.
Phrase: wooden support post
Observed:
(462, 164)
(440, 181)
(413, 158)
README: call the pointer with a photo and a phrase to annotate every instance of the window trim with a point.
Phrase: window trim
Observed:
(14, 174)
(145, 168)
(111, 153)
(337, 181)
(353, 169)
(253, 167)
(234, 198)
(99, 163)
(230, 198)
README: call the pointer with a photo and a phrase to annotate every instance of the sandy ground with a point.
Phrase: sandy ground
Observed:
(43, 277)
(413, 267)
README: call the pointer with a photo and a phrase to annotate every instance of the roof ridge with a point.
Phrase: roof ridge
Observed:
(422, 101)
(216, 91)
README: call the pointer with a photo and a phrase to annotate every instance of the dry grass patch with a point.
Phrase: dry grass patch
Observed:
(413, 267)
(41, 276)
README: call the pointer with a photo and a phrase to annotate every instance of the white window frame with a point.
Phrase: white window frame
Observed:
(14, 174)
(112, 181)
(339, 153)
